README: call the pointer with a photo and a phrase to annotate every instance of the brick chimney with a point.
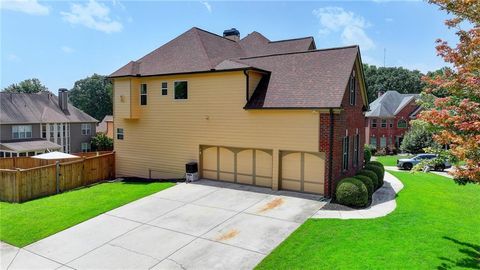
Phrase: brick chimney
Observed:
(232, 34)
(63, 99)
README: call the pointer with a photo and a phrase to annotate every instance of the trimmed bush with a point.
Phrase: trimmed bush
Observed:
(376, 163)
(368, 183)
(378, 170)
(367, 153)
(372, 175)
(352, 192)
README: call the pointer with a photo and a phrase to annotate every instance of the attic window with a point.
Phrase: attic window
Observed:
(181, 90)
(164, 88)
(352, 88)
(143, 94)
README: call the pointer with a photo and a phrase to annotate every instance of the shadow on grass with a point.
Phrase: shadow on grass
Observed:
(471, 259)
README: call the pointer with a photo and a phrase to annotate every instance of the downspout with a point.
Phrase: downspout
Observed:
(247, 84)
(330, 158)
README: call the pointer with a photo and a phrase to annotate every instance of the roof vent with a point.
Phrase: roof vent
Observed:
(232, 34)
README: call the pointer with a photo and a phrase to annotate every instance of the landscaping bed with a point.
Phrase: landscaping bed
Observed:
(430, 228)
(25, 223)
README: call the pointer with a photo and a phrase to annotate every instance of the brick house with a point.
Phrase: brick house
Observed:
(389, 118)
(279, 114)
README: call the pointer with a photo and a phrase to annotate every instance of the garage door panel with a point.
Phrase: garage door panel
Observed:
(245, 161)
(291, 166)
(263, 181)
(245, 179)
(314, 167)
(313, 187)
(229, 177)
(291, 185)
(263, 163)
(210, 175)
(227, 160)
(210, 158)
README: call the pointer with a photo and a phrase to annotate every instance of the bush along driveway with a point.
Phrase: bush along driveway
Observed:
(435, 225)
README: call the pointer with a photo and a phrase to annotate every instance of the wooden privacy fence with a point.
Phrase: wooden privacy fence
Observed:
(21, 185)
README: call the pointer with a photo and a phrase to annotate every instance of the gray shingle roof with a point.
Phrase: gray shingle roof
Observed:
(16, 108)
(389, 104)
(25, 146)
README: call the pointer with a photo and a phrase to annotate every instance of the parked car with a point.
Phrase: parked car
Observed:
(408, 163)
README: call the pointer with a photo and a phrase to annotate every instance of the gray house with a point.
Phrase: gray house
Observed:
(31, 124)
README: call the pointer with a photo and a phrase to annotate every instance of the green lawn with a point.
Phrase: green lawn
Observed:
(25, 223)
(435, 226)
(390, 160)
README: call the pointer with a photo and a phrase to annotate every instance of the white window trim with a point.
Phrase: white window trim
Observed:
(162, 88)
(173, 92)
(89, 129)
(146, 94)
(122, 133)
(88, 148)
(24, 131)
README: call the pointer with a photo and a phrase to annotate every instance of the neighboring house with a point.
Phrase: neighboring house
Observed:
(31, 124)
(106, 126)
(389, 118)
(278, 114)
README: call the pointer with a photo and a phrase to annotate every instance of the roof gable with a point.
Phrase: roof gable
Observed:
(390, 104)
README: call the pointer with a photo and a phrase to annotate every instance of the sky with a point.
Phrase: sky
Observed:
(60, 42)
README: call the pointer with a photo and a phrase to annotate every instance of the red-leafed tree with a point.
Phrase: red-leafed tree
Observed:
(452, 98)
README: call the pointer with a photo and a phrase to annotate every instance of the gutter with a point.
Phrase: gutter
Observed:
(330, 158)
(247, 87)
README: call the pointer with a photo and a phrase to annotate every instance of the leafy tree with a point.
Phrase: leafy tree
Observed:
(417, 138)
(93, 95)
(391, 78)
(26, 86)
(452, 98)
(101, 142)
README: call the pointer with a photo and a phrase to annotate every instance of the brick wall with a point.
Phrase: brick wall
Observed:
(391, 133)
(349, 121)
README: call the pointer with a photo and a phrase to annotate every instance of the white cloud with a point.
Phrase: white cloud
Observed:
(388, 19)
(350, 26)
(13, 57)
(31, 7)
(92, 15)
(207, 6)
(67, 49)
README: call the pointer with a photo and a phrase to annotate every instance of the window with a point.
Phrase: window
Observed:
(356, 143)
(384, 123)
(164, 88)
(85, 147)
(402, 123)
(86, 129)
(374, 123)
(120, 134)
(383, 142)
(373, 142)
(181, 90)
(44, 131)
(143, 94)
(352, 88)
(21, 132)
(345, 153)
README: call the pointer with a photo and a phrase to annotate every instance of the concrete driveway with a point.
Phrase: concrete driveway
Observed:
(205, 225)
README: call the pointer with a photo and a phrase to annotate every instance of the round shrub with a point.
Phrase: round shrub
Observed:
(367, 154)
(352, 192)
(367, 182)
(378, 171)
(372, 175)
(376, 163)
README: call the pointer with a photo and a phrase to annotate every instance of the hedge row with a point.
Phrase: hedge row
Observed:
(357, 191)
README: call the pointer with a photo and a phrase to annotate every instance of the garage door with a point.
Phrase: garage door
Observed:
(237, 165)
(302, 171)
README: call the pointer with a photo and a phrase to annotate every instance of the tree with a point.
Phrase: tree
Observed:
(391, 78)
(452, 99)
(26, 86)
(417, 138)
(101, 142)
(93, 95)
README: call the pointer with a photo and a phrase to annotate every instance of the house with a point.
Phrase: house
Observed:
(389, 117)
(279, 114)
(106, 126)
(31, 124)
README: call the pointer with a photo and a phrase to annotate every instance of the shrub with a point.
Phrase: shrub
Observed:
(352, 192)
(367, 153)
(372, 175)
(376, 163)
(367, 182)
(377, 170)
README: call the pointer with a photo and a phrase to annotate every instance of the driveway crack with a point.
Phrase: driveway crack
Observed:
(177, 263)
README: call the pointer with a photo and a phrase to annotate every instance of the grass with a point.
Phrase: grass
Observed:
(390, 160)
(435, 226)
(25, 223)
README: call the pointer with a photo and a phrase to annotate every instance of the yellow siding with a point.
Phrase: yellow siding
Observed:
(122, 98)
(169, 132)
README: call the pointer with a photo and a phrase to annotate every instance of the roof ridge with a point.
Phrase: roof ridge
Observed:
(211, 33)
(288, 53)
(290, 39)
(204, 49)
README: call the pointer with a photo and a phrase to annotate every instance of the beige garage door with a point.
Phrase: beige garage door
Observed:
(302, 171)
(238, 165)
